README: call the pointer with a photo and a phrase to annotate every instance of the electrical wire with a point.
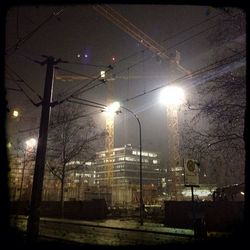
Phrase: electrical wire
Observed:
(86, 64)
(62, 122)
(186, 77)
(173, 46)
(75, 73)
(191, 27)
(22, 90)
(174, 36)
(85, 104)
(22, 80)
(13, 89)
(85, 100)
(142, 51)
(26, 37)
(85, 89)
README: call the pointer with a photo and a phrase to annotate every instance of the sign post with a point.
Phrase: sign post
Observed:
(191, 179)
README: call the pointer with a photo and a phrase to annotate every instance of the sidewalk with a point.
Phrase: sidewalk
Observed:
(132, 224)
(180, 237)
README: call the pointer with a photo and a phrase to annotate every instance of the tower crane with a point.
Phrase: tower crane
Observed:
(120, 21)
(172, 114)
(173, 138)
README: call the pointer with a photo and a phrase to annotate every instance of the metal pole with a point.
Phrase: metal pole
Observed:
(34, 214)
(141, 200)
(193, 209)
(141, 195)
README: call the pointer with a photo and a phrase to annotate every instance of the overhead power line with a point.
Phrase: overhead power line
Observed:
(26, 37)
(22, 80)
(17, 82)
(196, 73)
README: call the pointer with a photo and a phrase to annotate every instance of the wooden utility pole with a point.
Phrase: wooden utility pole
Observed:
(36, 197)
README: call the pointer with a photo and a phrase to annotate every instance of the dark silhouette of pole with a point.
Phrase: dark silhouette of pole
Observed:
(193, 211)
(23, 169)
(141, 196)
(36, 197)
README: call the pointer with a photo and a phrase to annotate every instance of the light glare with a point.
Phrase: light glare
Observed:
(15, 113)
(102, 74)
(31, 143)
(112, 108)
(172, 96)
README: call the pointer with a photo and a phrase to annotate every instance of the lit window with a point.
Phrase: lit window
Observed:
(155, 161)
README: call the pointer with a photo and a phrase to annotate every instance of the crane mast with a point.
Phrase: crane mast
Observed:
(174, 159)
(109, 140)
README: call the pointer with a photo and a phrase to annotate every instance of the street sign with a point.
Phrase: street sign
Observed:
(191, 172)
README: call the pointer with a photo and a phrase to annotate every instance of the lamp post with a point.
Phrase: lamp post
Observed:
(114, 108)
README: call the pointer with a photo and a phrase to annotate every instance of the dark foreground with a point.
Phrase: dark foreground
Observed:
(15, 239)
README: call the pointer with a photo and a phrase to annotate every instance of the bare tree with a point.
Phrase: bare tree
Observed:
(215, 126)
(71, 139)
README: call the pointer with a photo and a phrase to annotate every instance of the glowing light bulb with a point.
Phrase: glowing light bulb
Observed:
(172, 96)
(15, 113)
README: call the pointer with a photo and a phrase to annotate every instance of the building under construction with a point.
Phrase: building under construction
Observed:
(125, 186)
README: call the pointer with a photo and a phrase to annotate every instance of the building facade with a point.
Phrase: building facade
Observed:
(125, 187)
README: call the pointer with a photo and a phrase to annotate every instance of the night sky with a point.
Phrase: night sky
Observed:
(81, 35)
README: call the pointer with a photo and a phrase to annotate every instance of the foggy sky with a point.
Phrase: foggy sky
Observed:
(81, 30)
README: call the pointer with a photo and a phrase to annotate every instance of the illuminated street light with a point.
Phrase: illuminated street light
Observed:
(15, 113)
(172, 96)
(113, 109)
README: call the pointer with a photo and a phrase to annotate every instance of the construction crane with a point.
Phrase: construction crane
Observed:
(125, 25)
(120, 21)
(174, 161)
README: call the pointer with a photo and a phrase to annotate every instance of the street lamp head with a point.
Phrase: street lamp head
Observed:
(112, 109)
(172, 96)
(15, 113)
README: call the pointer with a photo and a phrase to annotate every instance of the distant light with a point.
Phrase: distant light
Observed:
(31, 143)
(78, 55)
(113, 58)
(86, 56)
(199, 192)
(15, 113)
(242, 193)
(102, 74)
(172, 96)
